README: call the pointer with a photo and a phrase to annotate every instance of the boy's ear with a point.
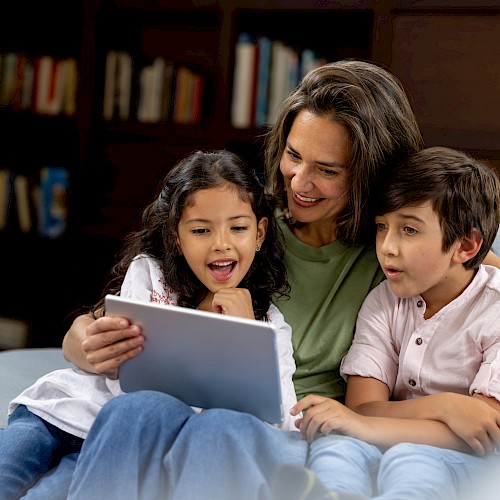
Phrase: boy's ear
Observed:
(469, 246)
(261, 230)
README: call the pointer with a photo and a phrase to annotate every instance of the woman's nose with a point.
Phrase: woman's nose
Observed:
(302, 178)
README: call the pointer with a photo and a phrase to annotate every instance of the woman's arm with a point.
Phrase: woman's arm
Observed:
(101, 345)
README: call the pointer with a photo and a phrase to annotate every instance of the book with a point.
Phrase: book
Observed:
(22, 192)
(168, 91)
(124, 83)
(278, 79)
(110, 84)
(5, 193)
(244, 78)
(9, 78)
(117, 85)
(53, 208)
(263, 74)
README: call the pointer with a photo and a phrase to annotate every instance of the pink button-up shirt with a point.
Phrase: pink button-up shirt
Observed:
(457, 350)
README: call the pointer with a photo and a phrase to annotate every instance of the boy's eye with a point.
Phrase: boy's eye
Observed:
(410, 231)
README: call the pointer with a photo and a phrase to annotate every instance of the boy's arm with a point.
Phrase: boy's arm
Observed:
(326, 415)
(476, 420)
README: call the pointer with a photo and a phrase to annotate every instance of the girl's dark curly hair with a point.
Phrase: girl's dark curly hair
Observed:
(157, 236)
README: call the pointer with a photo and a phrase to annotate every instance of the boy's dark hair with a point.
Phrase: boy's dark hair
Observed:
(464, 192)
(157, 235)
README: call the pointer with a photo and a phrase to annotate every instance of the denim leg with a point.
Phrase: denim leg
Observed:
(409, 471)
(54, 485)
(344, 464)
(122, 455)
(29, 447)
(227, 455)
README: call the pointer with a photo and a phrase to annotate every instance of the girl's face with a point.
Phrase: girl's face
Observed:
(313, 167)
(218, 235)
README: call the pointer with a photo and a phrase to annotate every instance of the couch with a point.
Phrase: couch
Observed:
(19, 368)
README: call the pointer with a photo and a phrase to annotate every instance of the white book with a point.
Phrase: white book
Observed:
(279, 78)
(146, 82)
(156, 89)
(243, 81)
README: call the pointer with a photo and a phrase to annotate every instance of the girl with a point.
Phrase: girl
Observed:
(208, 241)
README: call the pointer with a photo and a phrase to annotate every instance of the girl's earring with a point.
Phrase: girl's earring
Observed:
(257, 248)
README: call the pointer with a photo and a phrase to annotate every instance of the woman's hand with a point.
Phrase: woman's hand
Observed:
(102, 345)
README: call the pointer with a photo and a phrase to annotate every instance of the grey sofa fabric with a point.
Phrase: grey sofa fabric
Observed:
(19, 368)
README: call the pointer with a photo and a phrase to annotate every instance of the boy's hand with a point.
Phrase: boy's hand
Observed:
(109, 342)
(327, 415)
(234, 302)
(473, 420)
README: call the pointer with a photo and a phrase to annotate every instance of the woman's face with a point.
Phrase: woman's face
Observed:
(313, 165)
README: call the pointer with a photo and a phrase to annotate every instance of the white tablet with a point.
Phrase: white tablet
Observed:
(205, 359)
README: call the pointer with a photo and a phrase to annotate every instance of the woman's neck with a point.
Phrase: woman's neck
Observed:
(316, 234)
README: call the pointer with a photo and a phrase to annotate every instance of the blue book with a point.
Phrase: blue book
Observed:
(264, 46)
(54, 185)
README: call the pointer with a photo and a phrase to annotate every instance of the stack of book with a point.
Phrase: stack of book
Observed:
(164, 91)
(265, 72)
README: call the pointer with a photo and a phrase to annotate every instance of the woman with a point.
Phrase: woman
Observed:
(334, 139)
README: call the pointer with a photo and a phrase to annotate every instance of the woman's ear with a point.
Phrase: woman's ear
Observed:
(468, 248)
(261, 231)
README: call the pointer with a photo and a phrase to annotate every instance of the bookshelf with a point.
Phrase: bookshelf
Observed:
(114, 163)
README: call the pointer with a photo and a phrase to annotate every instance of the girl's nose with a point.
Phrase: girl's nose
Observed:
(387, 243)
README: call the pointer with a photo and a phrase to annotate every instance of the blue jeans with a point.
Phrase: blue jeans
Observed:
(403, 472)
(148, 445)
(36, 458)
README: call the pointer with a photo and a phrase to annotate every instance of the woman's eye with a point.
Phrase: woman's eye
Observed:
(293, 155)
(328, 172)
(199, 231)
(410, 231)
(239, 229)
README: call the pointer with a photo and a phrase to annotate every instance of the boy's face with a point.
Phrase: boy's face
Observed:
(218, 234)
(409, 248)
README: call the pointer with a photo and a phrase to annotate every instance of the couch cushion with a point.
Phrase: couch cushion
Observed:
(19, 368)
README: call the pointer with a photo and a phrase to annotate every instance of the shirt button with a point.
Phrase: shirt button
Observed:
(418, 341)
(412, 382)
(420, 303)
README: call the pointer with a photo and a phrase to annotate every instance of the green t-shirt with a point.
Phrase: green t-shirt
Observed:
(328, 286)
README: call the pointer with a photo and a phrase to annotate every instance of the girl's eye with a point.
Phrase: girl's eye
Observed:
(380, 226)
(239, 229)
(200, 231)
(410, 231)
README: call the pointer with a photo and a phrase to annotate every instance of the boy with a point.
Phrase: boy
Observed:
(423, 394)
